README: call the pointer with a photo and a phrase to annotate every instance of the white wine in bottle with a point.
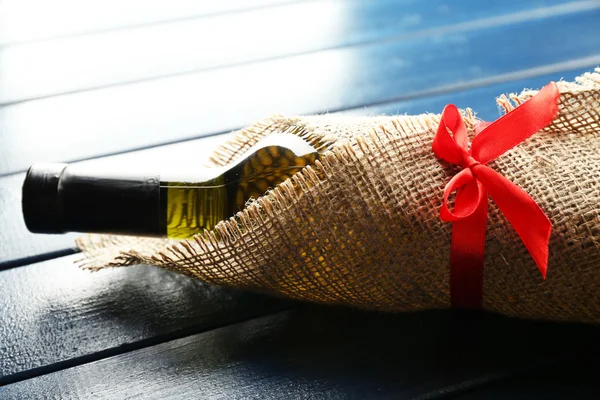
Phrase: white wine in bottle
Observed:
(60, 198)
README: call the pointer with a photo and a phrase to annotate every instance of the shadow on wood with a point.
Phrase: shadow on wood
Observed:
(331, 352)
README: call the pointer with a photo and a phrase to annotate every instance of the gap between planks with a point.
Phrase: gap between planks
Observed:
(128, 347)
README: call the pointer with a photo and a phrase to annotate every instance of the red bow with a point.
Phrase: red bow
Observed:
(476, 181)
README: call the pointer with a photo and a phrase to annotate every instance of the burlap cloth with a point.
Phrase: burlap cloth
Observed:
(361, 227)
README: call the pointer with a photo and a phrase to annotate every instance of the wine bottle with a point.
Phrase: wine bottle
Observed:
(60, 198)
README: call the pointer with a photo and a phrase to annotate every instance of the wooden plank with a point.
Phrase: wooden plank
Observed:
(20, 247)
(482, 100)
(43, 69)
(574, 378)
(30, 20)
(54, 312)
(112, 120)
(316, 352)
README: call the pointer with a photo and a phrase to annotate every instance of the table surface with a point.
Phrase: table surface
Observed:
(157, 82)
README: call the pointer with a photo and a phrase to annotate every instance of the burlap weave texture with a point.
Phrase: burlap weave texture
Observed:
(361, 227)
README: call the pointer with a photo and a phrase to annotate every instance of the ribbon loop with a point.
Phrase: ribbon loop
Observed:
(468, 198)
(451, 148)
(476, 180)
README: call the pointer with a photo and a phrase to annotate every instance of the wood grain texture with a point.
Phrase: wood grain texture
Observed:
(31, 20)
(18, 246)
(54, 312)
(316, 352)
(101, 122)
(111, 58)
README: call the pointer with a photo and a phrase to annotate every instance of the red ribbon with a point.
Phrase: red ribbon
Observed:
(476, 181)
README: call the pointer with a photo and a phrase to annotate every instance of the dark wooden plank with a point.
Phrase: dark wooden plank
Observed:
(54, 312)
(29, 20)
(94, 61)
(316, 352)
(21, 247)
(112, 120)
(573, 378)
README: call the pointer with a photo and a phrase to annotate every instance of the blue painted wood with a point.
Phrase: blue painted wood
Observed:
(112, 120)
(316, 352)
(482, 100)
(32, 20)
(54, 314)
(19, 247)
(133, 55)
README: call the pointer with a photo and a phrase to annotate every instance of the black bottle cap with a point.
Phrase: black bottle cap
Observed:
(42, 210)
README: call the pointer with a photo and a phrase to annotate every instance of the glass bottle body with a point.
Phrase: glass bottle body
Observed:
(191, 206)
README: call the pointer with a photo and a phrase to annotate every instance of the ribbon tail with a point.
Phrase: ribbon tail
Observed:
(524, 214)
(467, 255)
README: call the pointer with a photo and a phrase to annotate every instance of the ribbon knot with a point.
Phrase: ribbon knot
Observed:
(469, 162)
(476, 181)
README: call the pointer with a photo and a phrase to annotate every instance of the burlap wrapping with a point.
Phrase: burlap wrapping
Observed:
(361, 228)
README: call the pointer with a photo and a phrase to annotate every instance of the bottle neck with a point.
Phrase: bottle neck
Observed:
(113, 202)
